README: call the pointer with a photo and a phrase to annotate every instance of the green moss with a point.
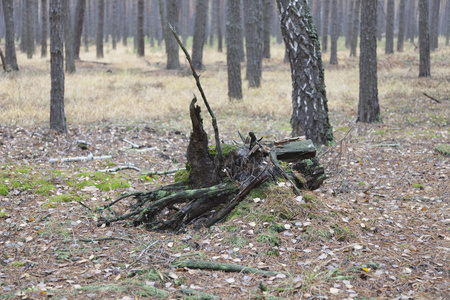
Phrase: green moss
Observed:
(43, 187)
(3, 214)
(277, 228)
(226, 150)
(24, 170)
(64, 198)
(419, 186)
(182, 175)
(4, 190)
(270, 238)
(17, 264)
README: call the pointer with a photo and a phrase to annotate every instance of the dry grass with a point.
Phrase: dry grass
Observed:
(129, 90)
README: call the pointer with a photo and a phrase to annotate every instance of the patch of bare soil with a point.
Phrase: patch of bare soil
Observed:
(378, 228)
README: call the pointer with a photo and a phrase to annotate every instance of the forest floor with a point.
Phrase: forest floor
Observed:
(377, 228)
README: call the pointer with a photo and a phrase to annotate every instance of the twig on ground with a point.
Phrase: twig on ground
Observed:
(108, 239)
(142, 253)
(133, 145)
(151, 173)
(84, 205)
(119, 168)
(93, 62)
(200, 264)
(199, 86)
(387, 145)
(432, 98)
(79, 158)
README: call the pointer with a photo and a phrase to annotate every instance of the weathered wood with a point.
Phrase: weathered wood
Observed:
(312, 172)
(295, 151)
(3, 61)
(201, 264)
(203, 170)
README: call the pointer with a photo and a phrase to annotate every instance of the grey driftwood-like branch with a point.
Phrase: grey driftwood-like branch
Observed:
(78, 158)
(199, 86)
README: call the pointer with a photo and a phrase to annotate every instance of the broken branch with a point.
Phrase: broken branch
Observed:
(200, 264)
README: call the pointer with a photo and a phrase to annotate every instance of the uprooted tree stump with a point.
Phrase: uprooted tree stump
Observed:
(206, 192)
(216, 180)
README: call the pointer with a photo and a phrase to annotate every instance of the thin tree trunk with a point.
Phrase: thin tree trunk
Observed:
(325, 18)
(390, 15)
(318, 16)
(114, 24)
(124, 24)
(267, 14)
(252, 11)
(100, 22)
(355, 30)
(381, 19)
(68, 38)
(44, 28)
(233, 53)
(86, 26)
(410, 21)
(140, 28)
(219, 27)
(348, 35)
(401, 25)
(309, 100)
(447, 32)
(57, 114)
(173, 59)
(201, 11)
(424, 39)
(30, 45)
(434, 25)
(10, 49)
(79, 19)
(368, 108)
(334, 31)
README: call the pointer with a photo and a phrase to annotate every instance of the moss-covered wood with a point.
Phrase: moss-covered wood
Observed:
(201, 264)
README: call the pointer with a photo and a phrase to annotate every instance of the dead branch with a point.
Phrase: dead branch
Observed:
(200, 264)
(199, 86)
(432, 98)
(79, 158)
(119, 168)
(133, 145)
(151, 173)
(93, 62)
(288, 140)
(108, 239)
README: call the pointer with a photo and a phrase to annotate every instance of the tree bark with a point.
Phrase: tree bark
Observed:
(44, 28)
(381, 19)
(219, 26)
(124, 23)
(368, 108)
(424, 39)
(30, 45)
(390, 17)
(253, 42)
(325, 18)
(201, 11)
(140, 28)
(318, 16)
(434, 25)
(310, 107)
(411, 21)
(355, 28)
(447, 31)
(233, 57)
(348, 35)
(114, 16)
(173, 59)
(100, 23)
(334, 32)
(267, 15)
(68, 38)
(79, 19)
(401, 25)
(57, 115)
(10, 49)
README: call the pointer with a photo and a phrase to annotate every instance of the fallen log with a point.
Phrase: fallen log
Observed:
(201, 264)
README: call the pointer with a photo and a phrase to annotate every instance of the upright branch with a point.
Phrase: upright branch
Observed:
(3, 61)
(199, 86)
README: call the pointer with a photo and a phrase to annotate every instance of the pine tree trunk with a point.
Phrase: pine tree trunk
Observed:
(318, 16)
(57, 115)
(380, 19)
(309, 100)
(68, 38)
(434, 25)
(201, 11)
(348, 36)
(44, 28)
(355, 29)
(253, 42)
(140, 28)
(424, 39)
(447, 31)
(267, 14)
(233, 57)
(79, 20)
(173, 59)
(114, 24)
(390, 17)
(30, 46)
(325, 18)
(100, 23)
(368, 108)
(10, 49)
(124, 24)
(219, 27)
(411, 21)
(334, 31)
(401, 25)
